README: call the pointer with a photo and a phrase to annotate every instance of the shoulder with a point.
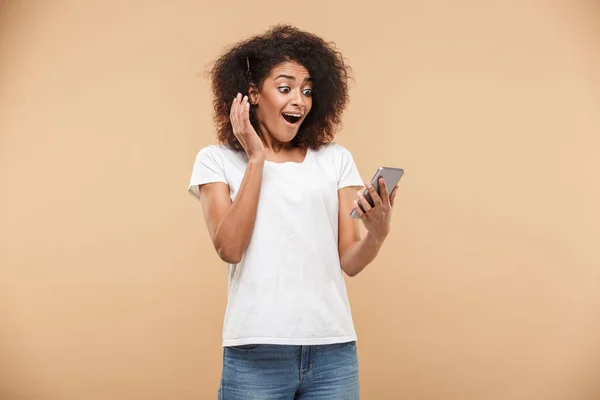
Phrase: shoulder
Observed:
(212, 150)
(334, 152)
(333, 149)
(336, 158)
(218, 153)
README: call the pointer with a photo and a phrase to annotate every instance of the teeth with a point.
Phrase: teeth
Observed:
(293, 115)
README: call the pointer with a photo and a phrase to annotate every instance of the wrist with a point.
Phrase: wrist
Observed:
(257, 159)
(374, 240)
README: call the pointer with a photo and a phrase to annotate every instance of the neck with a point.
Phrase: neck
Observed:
(278, 151)
(273, 145)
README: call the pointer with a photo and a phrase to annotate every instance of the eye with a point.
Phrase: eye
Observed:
(284, 89)
(307, 92)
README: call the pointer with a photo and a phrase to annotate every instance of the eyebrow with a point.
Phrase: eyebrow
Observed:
(291, 78)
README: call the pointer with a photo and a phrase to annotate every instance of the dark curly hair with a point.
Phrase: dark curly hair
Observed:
(250, 61)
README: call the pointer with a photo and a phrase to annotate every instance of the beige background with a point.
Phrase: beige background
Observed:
(488, 287)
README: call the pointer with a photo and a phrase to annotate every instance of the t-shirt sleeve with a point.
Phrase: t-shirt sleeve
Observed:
(208, 168)
(348, 175)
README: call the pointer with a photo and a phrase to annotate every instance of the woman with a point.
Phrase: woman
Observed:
(277, 193)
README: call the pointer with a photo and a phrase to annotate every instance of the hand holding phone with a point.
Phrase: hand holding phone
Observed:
(391, 177)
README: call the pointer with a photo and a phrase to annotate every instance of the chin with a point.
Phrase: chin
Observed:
(286, 138)
(287, 135)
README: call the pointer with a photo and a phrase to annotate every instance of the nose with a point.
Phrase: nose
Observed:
(297, 100)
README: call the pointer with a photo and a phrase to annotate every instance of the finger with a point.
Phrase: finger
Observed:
(393, 195)
(242, 100)
(242, 112)
(374, 196)
(385, 197)
(358, 210)
(232, 109)
(235, 105)
(363, 201)
(233, 116)
(247, 114)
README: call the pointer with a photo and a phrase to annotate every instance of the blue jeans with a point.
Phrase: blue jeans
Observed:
(278, 372)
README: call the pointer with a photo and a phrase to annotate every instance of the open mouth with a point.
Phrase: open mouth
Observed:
(291, 118)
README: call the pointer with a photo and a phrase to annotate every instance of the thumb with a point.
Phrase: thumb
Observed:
(393, 195)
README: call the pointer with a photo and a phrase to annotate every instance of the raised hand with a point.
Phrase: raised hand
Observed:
(243, 129)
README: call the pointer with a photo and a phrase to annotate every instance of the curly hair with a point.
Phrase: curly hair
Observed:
(249, 62)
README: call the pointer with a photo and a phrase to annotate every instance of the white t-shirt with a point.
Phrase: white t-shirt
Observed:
(289, 287)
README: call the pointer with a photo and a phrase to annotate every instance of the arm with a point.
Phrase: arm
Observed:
(356, 252)
(230, 225)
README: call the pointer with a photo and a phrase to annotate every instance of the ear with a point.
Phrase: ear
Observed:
(253, 94)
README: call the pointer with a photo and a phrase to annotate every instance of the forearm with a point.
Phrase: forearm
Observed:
(360, 254)
(235, 229)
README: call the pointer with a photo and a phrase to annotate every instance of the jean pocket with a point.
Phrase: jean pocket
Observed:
(245, 347)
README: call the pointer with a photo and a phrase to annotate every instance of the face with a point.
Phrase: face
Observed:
(284, 101)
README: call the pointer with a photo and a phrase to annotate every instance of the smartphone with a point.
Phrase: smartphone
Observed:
(390, 175)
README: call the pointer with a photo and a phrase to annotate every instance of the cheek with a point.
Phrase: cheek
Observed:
(308, 104)
(273, 106)
(267, 111)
